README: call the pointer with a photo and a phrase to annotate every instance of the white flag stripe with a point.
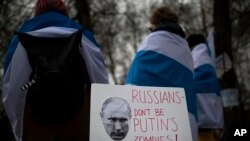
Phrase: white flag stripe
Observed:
(201, 56)
(169, 44)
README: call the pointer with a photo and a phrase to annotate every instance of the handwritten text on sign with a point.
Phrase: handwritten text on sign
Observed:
(155, 119)
(158, 114)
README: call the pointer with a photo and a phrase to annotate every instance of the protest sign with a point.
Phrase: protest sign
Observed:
(137, 113)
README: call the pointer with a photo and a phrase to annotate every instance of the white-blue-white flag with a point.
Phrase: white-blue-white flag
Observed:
(209, 102)
(164, 60)
(17, 69)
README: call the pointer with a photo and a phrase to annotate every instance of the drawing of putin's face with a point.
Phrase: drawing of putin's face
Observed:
(116, 115)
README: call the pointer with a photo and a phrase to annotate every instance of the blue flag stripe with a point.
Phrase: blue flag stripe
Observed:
(206, 80)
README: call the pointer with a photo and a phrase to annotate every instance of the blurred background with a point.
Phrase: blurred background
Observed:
(120, 25)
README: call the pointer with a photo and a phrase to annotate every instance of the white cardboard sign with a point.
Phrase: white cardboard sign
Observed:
(136, 113)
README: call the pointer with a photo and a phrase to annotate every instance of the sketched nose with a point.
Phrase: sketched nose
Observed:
(117, 125)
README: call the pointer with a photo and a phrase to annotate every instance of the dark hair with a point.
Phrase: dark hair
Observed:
(43, 6)
(163, 15)
(195, 39)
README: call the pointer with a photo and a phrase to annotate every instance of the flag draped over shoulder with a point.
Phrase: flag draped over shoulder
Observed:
(17, 69)
(211, 49)
(164, 59)
(209, 102)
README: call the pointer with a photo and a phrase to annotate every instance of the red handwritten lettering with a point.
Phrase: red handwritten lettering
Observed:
(151, 123)
(165, 98)
(150, 138)
(136, 123)
(141, 112)
(179, 98)
(155, 124)
(159, 112)
(142, 97)
(145, 129)
(172, 137)
(150, 99)
(135, 96)
(157, 101)
(175, 124)
(164, 124)
(169, 138)
(156, 97)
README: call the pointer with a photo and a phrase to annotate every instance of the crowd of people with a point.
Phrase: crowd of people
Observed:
(165, 58)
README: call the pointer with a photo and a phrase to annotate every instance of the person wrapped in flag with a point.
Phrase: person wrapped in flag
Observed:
(207, 87)
(51, 20)
(163, 59)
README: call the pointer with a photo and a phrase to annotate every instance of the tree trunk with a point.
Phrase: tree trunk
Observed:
(204, 18)
(222, 24)
(223, 36)
(83, 13)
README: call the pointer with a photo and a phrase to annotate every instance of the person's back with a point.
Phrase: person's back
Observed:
(209, 102)
(50, 21)
(163, 59)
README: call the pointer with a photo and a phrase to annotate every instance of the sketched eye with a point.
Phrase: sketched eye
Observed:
(112, 119)
(123, 120)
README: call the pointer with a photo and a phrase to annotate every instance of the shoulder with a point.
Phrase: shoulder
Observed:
(49, 19)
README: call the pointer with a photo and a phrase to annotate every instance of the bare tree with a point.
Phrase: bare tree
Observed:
(83, 13)
(240, 15)
(118, 26)
(104, 13)
(223, 44)
(196, 16)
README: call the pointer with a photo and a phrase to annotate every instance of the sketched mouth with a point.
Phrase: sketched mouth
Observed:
(117, 136)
